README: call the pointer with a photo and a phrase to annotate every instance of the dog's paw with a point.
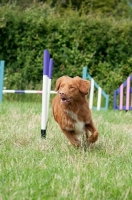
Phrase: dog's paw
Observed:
(77, 144)
(93, 138)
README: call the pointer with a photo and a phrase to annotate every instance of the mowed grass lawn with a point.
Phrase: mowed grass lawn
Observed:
(32, 168)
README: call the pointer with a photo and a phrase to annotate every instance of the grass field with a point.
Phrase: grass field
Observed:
(32, 168)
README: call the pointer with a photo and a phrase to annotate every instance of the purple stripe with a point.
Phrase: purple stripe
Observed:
(124, 108)
(50, 68)
(115, 94)
(46, 62)
(19, 91)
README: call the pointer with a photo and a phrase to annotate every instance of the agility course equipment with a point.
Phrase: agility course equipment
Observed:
(94, 86)
(2, 65)
(47, 75)
(26, 91)
(124, 92)
(46, 89)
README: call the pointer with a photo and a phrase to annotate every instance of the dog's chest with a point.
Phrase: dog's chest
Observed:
(74, 123)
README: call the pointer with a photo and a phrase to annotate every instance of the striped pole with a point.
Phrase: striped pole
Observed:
(44, 93)
(49, 84)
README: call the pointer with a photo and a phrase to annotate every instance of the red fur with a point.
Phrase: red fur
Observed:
(71, 110)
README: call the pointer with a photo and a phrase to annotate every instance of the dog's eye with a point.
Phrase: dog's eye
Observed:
(61, 86)
(71, 87)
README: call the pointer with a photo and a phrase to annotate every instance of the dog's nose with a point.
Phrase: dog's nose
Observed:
(61, 93)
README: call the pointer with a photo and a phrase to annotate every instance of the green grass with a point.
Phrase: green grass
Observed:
(32, 168)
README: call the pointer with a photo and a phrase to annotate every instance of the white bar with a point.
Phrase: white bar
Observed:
(53, 92)
(91, 94)
(28, 91)
(99, 98)
(32, 91)
(8, 91)
(44, 102)
(48, 97)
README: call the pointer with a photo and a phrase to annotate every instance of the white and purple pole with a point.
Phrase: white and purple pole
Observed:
(49, 84)
(45, 93)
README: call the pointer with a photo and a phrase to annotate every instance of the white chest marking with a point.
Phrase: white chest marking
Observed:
(78, 125)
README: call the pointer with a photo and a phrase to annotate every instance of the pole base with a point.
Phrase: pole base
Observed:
(43, 133)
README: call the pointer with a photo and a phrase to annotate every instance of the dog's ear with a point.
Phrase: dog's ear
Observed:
(58, 82)
(84, 85)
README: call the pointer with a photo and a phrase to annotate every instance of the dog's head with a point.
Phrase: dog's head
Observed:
(72, 89)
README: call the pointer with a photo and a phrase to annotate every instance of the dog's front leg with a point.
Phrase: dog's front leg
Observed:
(71, 135)
(93, 138)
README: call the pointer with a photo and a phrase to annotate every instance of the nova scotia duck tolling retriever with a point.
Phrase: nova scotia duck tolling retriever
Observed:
(71, 110)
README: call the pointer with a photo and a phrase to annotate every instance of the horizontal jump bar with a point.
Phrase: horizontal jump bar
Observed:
(26, 91)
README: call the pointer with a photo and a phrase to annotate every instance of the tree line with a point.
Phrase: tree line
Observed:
(120, 8)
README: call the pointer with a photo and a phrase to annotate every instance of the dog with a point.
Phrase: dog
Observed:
(71, 110)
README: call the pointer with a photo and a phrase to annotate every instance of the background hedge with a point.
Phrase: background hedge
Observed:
(103, 44)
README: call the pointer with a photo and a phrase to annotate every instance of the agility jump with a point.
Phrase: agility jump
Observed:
(46, 87)
(94, 86)
(124, 92)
